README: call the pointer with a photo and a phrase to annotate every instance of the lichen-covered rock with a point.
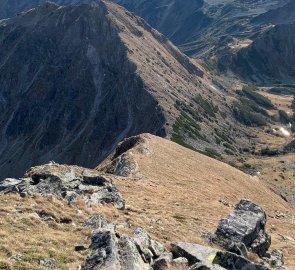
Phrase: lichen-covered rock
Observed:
(129, 256)
(104, 251)
(180, 261)
(232, 261)
(147, 246)
(137, 252)
(48, 263)
(245, 225)
(70, 182)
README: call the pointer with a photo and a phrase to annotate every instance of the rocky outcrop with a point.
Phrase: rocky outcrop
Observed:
(69, 182)
(138, 252)
(120, 163)
(245, 226)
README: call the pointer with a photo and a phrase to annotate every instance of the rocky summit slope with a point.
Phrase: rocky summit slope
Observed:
(178, 204)
(77, 79)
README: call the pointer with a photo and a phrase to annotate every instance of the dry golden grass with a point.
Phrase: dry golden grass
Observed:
(280, 101)
(23, 232)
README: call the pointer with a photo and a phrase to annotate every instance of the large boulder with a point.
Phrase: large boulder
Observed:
(201, 257)
(70, 182)
(245, 226)
(130, 257)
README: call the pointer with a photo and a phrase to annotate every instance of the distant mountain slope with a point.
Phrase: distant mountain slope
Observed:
(75, 80)
(202, 27)
(179, 20)
(270, 58)
(198, 27)
(10, 8)
(281, 15)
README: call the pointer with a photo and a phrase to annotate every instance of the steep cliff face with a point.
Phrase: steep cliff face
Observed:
(76, 80)
(270, 58)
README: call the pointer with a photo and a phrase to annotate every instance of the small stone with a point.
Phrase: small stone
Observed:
(48, 263)
(275, 259)
(17, 257)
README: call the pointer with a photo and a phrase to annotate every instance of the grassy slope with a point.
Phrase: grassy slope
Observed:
(176, 194)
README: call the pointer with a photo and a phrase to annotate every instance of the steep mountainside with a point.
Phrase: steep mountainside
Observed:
(75, 80)
(202, 28)
(218, 29)
(179, 20)
(270, 58)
